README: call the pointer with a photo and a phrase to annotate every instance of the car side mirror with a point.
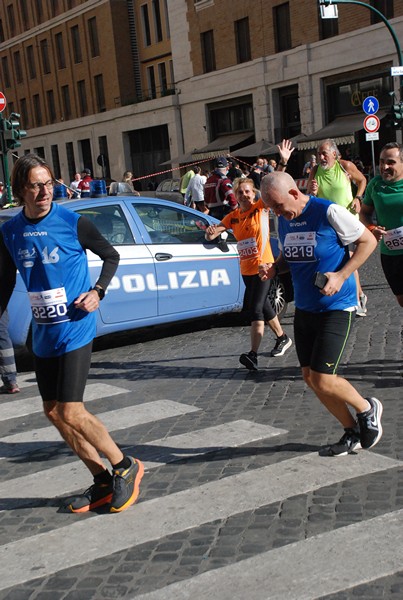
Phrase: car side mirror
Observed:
(222, 241)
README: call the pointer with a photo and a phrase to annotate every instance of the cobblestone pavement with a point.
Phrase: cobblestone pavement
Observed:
(235, 501)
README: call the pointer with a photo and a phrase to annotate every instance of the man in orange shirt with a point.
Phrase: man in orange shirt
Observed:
(250, 225)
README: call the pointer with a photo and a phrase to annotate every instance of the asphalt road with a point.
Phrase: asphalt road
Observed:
(236, 503)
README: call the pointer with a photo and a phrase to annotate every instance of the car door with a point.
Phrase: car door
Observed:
(192, 276)
(128, 297)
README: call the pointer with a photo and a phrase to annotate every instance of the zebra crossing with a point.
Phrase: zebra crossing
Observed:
(78, 541)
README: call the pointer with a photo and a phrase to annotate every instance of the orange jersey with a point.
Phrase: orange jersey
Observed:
(252, 232)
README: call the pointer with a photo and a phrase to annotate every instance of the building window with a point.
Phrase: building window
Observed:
(99, 93)
(227, 118)
(66, 102)
(50, 100)
(37, 110)
(18, 67)
(242, 40)
(24, 114)
(162, 74)
(70, 160)
(145, 23)
(31, 62)
(157, 20)
(45, 56)
(289, 109)
(208, 53)
(103, 149)
(152, 92)
(82, 97)
(61, 58)
(40, 151)
(11, 19)
(55, 160)
(93, 35)
(282, 27)
(39, 11)
(385, 7)
(2, 38)
(327, 27)
(6, 72)
(24, 14)
(76, 43)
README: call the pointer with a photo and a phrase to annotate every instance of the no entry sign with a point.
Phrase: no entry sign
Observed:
(3, 102)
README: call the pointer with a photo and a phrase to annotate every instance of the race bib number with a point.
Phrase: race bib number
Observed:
(300, 247)
(49, 306)
(394, 239)
(247, 249)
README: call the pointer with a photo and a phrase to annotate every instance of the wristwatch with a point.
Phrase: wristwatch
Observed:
(360, 198)
(100, 291)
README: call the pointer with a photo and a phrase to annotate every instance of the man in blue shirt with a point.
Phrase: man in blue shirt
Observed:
(47, 244)
(314, 235)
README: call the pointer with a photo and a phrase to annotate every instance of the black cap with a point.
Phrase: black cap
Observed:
(87, 171)
(220, 162)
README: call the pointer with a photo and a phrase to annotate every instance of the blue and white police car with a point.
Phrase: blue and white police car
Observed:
(167, 272)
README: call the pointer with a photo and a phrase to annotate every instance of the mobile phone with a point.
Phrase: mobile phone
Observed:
(320, 280)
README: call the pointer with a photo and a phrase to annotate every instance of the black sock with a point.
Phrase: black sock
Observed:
(282, 337)
(123, 464)
(103, 477)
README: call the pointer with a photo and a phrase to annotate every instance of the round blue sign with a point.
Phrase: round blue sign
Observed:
(370, 105)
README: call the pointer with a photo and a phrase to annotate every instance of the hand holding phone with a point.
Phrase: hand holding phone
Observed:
(320, 280)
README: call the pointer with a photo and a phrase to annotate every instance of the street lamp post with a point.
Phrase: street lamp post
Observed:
(385, 21)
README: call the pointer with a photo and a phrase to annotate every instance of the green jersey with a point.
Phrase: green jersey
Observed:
(387, 201)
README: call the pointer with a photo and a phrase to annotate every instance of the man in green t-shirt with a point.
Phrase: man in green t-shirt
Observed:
(384, 197)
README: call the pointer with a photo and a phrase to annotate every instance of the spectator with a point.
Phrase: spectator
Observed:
(272, 166)
(85, 184)
(308, 166)
(194, 196)
(8, 370)
(74, 186)
(234, 171)
(185, 181)
(218, 193)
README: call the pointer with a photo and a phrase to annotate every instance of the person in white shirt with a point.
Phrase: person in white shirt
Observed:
(194, 196)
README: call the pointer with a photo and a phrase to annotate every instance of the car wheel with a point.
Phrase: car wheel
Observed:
(277, 297)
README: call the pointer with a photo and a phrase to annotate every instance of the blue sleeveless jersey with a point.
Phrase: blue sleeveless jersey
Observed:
(310, 244)
(54, 268)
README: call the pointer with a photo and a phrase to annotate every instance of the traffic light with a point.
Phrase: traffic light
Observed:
(12, 132)
(395, 116)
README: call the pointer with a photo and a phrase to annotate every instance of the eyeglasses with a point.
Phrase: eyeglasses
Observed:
(38, 185)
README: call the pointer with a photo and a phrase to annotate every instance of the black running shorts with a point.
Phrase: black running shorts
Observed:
(393, 268)
(63, 378)
(256, 300)
(320, 338)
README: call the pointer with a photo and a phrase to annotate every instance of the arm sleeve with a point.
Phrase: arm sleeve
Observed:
(91, 239)
(8, 273)
(346, 225)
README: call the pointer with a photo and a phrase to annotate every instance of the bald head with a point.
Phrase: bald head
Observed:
(278, 181)
(280, 193)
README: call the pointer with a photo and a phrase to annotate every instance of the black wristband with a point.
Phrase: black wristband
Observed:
(283, 164)
(100, 291)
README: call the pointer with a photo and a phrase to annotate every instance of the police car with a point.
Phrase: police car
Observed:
(167, 271)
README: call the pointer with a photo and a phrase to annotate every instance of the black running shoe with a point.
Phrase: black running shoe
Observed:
(249, 360)
(370, 424)
(126, 485)
(349, 442)
(97, 495)
(282, 345)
